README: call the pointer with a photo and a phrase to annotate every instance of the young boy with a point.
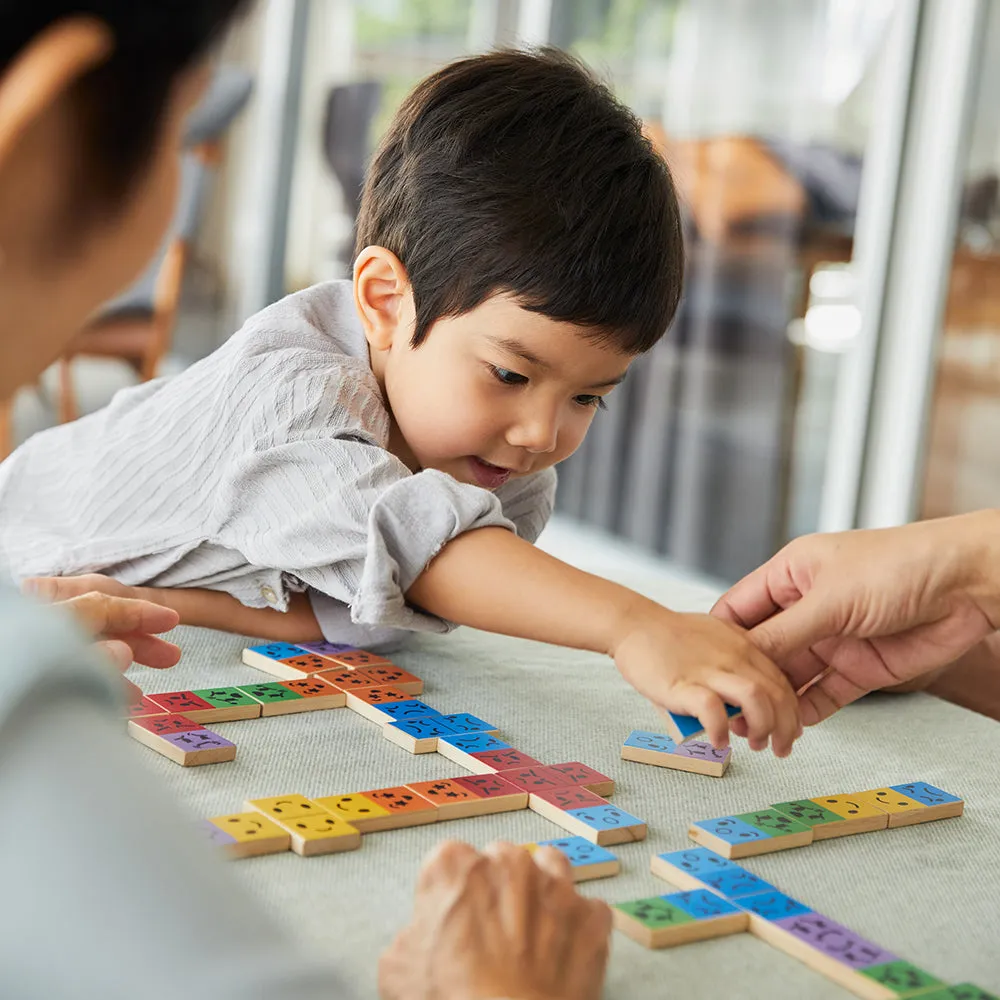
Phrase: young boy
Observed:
(369, 457)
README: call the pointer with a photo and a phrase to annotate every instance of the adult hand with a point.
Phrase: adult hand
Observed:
(861, 610)
(498, 924)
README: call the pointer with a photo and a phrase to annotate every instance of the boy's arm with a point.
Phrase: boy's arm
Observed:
(493, 580)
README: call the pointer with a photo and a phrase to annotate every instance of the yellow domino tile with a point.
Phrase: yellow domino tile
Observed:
(282, 807)
(901, 809)
(252, 833)
(859, 816)
(358, 810)
(321, 834)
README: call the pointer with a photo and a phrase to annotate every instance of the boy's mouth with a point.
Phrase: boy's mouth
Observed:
(488, 475)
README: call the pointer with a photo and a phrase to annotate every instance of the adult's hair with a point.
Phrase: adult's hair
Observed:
(519, 172)
(118, 107)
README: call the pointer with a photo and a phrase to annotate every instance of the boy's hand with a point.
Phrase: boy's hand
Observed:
(62, 588)
(687, 663)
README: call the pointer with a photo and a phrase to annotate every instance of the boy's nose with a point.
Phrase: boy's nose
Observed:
(538, 435)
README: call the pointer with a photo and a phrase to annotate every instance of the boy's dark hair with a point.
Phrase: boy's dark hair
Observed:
(118, 106)
(519, 172)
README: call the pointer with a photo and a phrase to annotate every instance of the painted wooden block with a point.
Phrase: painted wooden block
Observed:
(463, 722)
(824, 823)
(705, 905)
(503, 760)
(835, 940)
(773, 905)
(573, 797)
(324, 648)
(360, 811)
(145, 706)
(461, 747)
(587, 860)
(189, 747)
(282, 807)
(901, 978)
(785, 832)
(303, 665)
(687, 727)
(750, 834)
(453, 800)
(576, 774)
(370, 702)
(535, 778)
(605, 824)
(274, 697)
(347, 680)
(181, 703)
(688, 869)
(252, 834)
(360, 658)
(408, 708)
(163, 725)
(961, 991)
(857, 817)
(405, 806)
(228, 704)
(658, 922)
(500, 794)
(418, 735)
(393, 676)
(939, 804)
(314, 695)
(696, 757)
(321, 834)
(901, 809)
(282, 660)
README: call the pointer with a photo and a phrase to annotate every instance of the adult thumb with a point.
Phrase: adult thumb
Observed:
(796, 627)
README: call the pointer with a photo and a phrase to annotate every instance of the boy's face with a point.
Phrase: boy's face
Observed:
(496, 393)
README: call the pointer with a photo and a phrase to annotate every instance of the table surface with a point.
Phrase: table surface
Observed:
(927, 893)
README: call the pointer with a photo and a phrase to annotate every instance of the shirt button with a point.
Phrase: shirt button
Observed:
(269, 595)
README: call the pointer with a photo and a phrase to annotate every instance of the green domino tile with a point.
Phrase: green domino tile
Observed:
(655, 912)
(773, 822)
(902, 978)
(225, 697)
(963, 991)
(269, 693)
(806, 812)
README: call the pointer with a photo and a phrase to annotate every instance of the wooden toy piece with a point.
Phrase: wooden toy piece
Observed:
(667, 921)
(494, 761)
(857, 817)
(360, 658)
(226, 704)
(749, 834)
(408, 708)
(463, 722)
(554, 803)
(321, 834)
(962, 991)
(418, 735)
(498, 795)
(358, 810)
(274, 697)
(534, 778)
(341, 677)
(462, 748)
(824, 822)
(700, 868)
(285, 807)
(453, 801)
(575, 774)
(283, 660)
(598, 820)
(939, 804)
(405, 807)
(393, 676)
(314, 695)
(695, 756)
(181, 703)
(145, 706)
(187, 747)
(371, 701)
(324, 648)
(161, 725)
(686, 727)
(252, 834)
(772, 906)
(900, 808)
(588, 861)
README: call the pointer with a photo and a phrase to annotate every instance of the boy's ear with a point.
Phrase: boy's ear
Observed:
(382, 297)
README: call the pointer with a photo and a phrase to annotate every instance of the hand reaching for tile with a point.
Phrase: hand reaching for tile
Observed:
(501, 923)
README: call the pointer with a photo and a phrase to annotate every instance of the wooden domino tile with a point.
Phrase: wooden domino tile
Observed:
(405, 806)
(453, 800)
(322, 833)
(274, 697)
(961, 991)
(408, 708)
(183, 703)
(283, 660)
(370, 702)
(250, 834)
(223, 704)
(347, 680)
(686, 727)
(747, 834)
(926, 804)
(162, 725)
(463, 722)
(360, 811)
(553, 803)
(534, 777)
(598, 821)
(700, 868)
(418, 735)
(145, 706)
(393, 676)
(284, 807)
(191, 746)
(575, 774)
(694, 756)
(462, 749)
(827, 823)
(587, 860)
(359, 658)
(314, 695)
(498, 795)
(857, 817)
(678, 918)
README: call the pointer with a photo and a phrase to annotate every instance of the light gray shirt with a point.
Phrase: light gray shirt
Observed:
(261, 470)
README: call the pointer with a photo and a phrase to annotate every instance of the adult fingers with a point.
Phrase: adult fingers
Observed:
(150, 650)
(103, 614)
(797, 627)
(119, 653)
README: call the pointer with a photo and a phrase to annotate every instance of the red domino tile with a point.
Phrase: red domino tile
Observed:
(347, 680)
(570, 798)
(504, 760)
(575, 773)
(180, 701)
(533, 779)
(145, 707)
(164, 725)
(487, 786)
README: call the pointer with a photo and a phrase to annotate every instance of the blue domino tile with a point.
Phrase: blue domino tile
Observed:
(926, 794)
(650, 741)
(688, 725)
(422, 727)
(277, 650)
(579, 850)
(462, 722)
(702, 904)
(607, 817)
(774, 905)
(475, 742)
(698, 861)
(731, 830)
(735, 883)
(410, 709)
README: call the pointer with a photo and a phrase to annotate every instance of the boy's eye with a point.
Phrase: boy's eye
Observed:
(595, 401)
(508, 377)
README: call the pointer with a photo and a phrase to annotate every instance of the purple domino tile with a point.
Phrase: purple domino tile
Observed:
(700, 751)
(835, 940)
(214, 835)
(197, 739)
(326, 648)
